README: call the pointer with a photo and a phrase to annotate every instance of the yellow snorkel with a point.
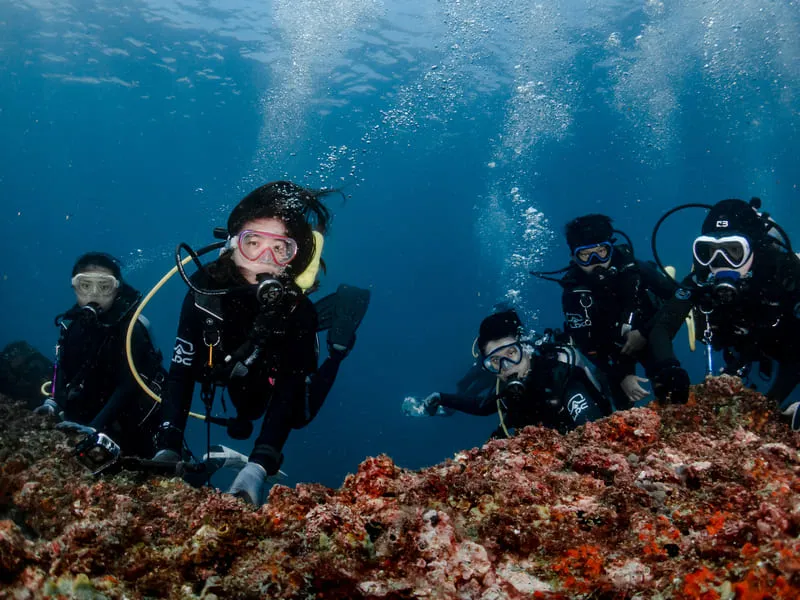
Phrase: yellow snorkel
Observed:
(304, 281)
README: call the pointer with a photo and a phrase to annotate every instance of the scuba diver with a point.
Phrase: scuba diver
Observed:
(537, 382)
(609, 300)
(743, 294)
(92, 388)
(247, 325)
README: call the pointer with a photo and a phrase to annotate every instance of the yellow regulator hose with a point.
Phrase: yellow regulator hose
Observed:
(129, 336)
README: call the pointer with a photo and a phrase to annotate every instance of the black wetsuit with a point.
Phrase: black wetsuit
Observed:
(94, 385)
(282, 382)
(556, 394)
(600, 307)
(763, 322)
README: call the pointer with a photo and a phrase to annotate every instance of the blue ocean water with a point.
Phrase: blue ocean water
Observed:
(464, 133)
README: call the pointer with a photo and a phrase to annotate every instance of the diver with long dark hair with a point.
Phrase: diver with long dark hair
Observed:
(743, 295)
(247, 325)
(92, 387)
(609, 300)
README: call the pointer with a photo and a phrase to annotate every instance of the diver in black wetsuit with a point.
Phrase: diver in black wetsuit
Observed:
(538, 383)
(247, 325)
(609, 300)
(93, 387)
(744, 294)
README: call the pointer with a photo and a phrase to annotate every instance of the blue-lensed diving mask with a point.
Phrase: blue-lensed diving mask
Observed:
(593, 254)
(503, 357)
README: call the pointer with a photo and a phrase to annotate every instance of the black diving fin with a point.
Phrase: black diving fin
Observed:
(341, 313)
(324, 307)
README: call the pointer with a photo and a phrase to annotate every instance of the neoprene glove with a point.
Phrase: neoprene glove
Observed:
(48, 407)
(671, 384)
(249, 483)
(793, 412)
(72, 427)
(431, 403)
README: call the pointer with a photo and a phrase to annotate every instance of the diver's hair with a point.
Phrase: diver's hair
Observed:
(497, 326)
(301, 210)
(98, 259)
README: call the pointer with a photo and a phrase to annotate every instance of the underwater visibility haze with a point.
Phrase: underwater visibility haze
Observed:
(463, 133)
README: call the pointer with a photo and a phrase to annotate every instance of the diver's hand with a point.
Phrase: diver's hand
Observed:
(634, 342)
(793, 412)
(431, 403)
(429, 406)
(73, 427)
(671, 384)
(249, 484)
(48, 407)
(632, 388)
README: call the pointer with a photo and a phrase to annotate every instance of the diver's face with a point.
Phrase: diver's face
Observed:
(508, 370)
(96, 287)
(251, 269)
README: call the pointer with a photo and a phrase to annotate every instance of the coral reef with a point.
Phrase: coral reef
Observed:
(698, 501)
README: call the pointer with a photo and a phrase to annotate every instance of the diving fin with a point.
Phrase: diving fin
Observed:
(348, 312)
(325, 307)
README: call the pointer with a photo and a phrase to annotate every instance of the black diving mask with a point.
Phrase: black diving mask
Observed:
(593, 254)
(503, 357)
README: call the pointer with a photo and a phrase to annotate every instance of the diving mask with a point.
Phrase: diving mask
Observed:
(95, 284)
(728, 251)
(503, 357)
(265, 247)
(593, 254)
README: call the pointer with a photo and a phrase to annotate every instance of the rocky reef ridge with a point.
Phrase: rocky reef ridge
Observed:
(698, 501)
